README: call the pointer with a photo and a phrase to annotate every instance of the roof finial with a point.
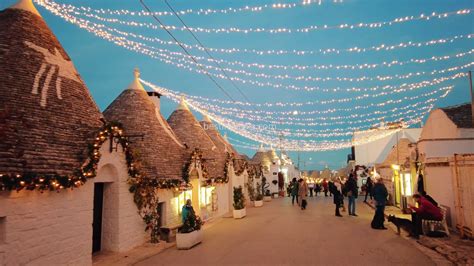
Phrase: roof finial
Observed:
(261, 148)
(26, 5)
(136, 73)
(136, 84)
(182, 104)
(206, 118)
(225, 137)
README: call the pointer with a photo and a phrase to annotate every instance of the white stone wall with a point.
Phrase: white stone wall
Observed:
(439, 185)
(47, 228)
(53, 228)
(223, 200)
(171, 208)
(122, 226)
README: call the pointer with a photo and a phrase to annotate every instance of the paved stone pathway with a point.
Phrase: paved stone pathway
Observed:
(281, 234)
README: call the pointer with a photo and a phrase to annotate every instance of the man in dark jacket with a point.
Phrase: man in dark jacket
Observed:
(352, 191)
(380, 196)
(294, 191)
(368, 190)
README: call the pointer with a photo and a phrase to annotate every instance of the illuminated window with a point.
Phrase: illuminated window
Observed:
(407, 184)
(206, 196)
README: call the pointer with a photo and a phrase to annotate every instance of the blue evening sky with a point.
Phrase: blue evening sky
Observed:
(107, 68)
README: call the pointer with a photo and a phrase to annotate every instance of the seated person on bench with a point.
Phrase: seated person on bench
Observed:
(425, 211)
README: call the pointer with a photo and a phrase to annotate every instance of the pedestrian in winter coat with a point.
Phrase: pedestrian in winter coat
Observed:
(352, 191)
(302, 190)
(294, 191)
(337, 195)
(380, 197)
(368, 190)
(325, 187)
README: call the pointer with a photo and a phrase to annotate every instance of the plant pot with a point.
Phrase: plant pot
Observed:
(188, 240)
(267, 198)
(239, 214)
(258, 203)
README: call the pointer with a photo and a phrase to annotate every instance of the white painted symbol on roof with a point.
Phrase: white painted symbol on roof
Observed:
(55, 61)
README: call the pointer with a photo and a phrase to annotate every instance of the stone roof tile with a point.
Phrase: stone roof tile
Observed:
(47, 115)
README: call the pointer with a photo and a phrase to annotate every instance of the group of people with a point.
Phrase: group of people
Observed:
(344, 188)
(298, 192)
(427, 208)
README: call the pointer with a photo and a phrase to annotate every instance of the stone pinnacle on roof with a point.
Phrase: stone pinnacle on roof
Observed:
(182, 104)
(261, 148)
(26, 5)
(136, 84)
(206, 118)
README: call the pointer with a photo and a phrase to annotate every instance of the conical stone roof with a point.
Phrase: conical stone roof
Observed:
(262, 157)
(47, 115)
(189, 131)
(222, 147)
(159, 151)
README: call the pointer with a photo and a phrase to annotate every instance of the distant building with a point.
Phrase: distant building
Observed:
(377, 143)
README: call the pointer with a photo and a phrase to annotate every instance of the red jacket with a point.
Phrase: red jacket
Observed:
(428, 209)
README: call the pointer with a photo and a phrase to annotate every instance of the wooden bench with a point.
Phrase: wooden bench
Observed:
(431, 224)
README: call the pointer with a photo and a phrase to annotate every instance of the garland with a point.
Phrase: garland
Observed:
(54, 182)
(225, 178)
(196, 156)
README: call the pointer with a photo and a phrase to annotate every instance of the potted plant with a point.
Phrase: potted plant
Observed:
(258, 197)
(239, 203)
(190, 233)
(268, 195)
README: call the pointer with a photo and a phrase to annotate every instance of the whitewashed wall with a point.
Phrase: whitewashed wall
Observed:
(439, 185)
(122, 226)
(53, 228)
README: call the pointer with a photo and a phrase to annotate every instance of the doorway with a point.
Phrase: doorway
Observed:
(97, 217)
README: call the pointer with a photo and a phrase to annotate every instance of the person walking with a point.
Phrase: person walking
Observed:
(294, 191)
(302, 191)
(311, 188)
(380, 197)
(368, 188)
(325, 187)
(336, 191)
(352, 191)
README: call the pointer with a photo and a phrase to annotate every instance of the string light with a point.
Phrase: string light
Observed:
(254, 132)
(165, 53)
(335, 120)
(201, 11)
(173, 61)
(369, 25)
(376, 48)
(293, 104)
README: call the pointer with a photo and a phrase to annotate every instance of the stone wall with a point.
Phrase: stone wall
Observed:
(47, 228)
(55, 228)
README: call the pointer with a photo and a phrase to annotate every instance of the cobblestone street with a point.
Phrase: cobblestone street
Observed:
(281, 234)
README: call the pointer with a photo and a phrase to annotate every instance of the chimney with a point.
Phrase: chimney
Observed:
(155, 98)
